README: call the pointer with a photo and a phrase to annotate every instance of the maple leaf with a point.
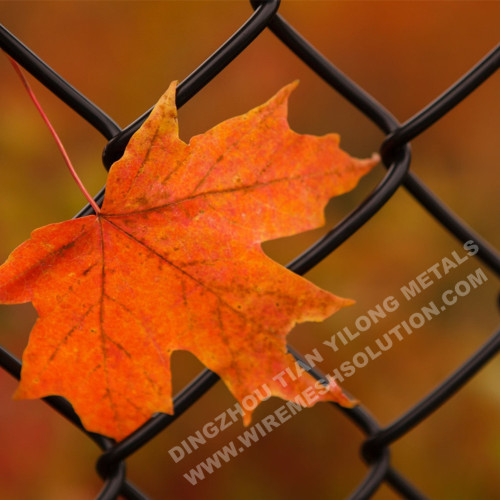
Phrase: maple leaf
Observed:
(173, 262)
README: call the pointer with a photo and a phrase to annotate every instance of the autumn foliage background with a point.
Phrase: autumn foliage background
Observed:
(122, 55)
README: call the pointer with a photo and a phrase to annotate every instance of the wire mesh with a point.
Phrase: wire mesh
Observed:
(396, 154)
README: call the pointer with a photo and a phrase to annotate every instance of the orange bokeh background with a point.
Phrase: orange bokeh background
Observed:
(122, 55)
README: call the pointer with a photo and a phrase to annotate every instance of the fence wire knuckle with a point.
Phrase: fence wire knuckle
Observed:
(396, 155)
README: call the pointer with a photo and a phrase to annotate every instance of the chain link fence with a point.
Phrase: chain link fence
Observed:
(396, 154)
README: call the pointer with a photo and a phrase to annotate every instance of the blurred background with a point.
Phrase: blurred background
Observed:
(122, 55)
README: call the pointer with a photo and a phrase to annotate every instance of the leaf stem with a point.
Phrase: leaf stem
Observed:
(59, 143)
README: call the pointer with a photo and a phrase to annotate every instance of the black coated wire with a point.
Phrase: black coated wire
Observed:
(202, 75)
(402, 486)
(396, 155)
(373, 479)
(56, 84)
(444, 103)
(435, 398)
(114, 484)
(182, 401)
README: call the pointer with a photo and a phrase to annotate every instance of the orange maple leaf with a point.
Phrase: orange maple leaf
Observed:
(173, 262)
